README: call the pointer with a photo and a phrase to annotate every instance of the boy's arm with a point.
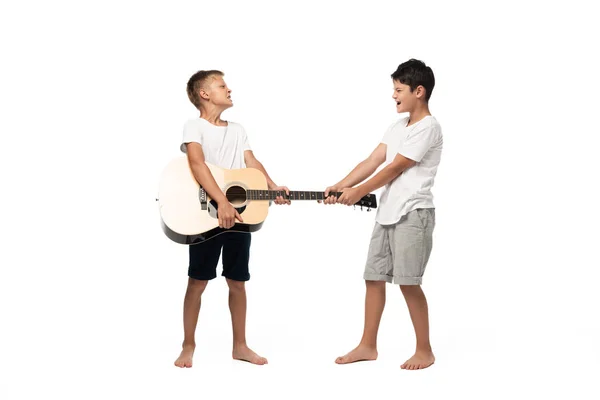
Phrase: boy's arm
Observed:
(386, 175)
(226, 213)
(410, 152)
(252, 162)
(362, 171)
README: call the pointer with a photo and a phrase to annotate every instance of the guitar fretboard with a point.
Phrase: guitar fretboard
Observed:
(294, 195)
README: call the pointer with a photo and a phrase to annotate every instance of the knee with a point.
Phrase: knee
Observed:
(409, 290)
(236, 286)
(197, 285)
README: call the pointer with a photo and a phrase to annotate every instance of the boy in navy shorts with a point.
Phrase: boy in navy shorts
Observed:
(224, 144)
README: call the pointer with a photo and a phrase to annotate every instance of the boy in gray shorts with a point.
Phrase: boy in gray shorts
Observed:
(402, 238)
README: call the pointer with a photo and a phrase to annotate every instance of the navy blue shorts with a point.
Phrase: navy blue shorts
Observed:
(204, 257)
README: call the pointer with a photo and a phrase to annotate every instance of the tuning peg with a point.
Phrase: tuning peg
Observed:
(369, 209)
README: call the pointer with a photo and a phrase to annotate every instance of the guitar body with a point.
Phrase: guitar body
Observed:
(189, 215)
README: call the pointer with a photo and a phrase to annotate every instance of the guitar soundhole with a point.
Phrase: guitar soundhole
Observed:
(236, 195)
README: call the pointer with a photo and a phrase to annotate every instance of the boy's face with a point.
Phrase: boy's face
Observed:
(218, 93)
(406, 101)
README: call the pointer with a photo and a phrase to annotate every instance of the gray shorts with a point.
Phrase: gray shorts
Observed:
(400, 252)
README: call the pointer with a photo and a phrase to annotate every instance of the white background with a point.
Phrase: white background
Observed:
(93, 104)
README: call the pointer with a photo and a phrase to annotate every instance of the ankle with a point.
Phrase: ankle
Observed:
(368, 344)
(240, 344)
(424, 348)
(188, 344)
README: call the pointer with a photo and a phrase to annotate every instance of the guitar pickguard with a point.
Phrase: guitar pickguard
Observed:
(213, 207)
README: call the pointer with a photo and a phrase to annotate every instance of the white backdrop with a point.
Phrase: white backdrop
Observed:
(91, 291)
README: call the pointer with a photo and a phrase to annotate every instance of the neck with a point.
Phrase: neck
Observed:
(418, 114)
(213, 115)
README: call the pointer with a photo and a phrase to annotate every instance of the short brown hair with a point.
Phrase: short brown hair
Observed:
(196, 82)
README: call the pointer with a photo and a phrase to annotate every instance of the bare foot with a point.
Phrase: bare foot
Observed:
(185, 358)
(421, 359)
(243, 353)
(361, 353)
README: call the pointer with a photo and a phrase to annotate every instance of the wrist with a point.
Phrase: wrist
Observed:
(222, 201)
(361, 191)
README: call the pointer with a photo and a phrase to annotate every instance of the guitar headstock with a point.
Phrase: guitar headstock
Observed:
(369, 201)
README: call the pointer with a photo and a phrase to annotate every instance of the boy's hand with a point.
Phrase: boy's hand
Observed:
(227, 215)
(280, 199)
(330, 199)
(350, 196)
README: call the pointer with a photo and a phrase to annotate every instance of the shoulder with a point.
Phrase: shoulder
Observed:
(429, 128)
(433, 123)
(428, 124)
(236, 127)
(193, 123)
(399, 123)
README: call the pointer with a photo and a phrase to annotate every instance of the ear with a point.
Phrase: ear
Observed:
(203, 94)
(420, 91)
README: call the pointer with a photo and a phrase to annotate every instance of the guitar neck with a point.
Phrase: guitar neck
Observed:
(294, 195)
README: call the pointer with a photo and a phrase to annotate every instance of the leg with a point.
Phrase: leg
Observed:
(237, 307)
(413, 244)
(417, 307)
(378, 271)
(374, 305)
(236, 257)
(191, 309)
(202, 268)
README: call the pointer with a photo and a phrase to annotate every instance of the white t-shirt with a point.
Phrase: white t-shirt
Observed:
(222, 146)
(421, 142)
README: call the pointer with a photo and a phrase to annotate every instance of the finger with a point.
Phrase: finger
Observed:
(238, 216)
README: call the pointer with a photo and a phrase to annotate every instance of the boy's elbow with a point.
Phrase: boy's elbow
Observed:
(398, 168)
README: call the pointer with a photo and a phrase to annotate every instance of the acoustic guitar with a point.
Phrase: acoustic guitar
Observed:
(189, 216)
